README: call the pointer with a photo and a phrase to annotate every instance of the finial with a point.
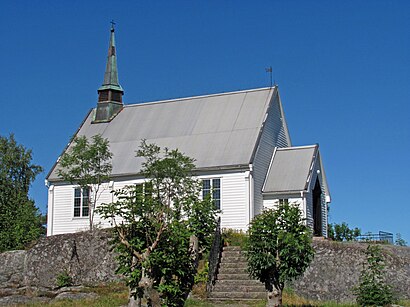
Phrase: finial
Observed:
(112, 25)
(269, 70)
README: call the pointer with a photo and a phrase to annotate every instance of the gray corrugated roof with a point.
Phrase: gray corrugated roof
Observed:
(290, 169)
(217, 130)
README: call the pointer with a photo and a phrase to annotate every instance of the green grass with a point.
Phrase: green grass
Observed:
(116, 294)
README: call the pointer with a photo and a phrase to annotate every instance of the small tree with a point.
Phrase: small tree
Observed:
(279, 249)
(161, 227)
(342, 232)
(399, 240)
(20, 220)
(373, 289)
(87, 164)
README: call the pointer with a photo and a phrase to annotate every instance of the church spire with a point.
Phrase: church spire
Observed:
(110, 93)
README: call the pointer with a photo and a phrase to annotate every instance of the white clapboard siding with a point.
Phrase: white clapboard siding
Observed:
(273, 135)
(234, 201)
(234, 204)
(323, 197)
(63, 220)
(272, 203)
(309, 210)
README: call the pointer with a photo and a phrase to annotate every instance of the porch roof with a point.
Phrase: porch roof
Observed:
(290, 170)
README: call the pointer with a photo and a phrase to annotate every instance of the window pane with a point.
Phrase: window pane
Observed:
(77, 202)
(85, 211)
(217, 203)
(86, 200)
(216, 194)
(86, 193)
(206, 188)
(206, 184)
(216, 183)
(77, 193)
(77, 211)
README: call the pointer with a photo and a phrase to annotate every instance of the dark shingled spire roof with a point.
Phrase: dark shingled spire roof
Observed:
(110, 93)
(111, 70)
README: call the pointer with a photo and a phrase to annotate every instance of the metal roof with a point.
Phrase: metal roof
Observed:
(218, 130)
(290, 169)
(111, 70)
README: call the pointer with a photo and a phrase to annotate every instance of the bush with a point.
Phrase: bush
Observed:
(342, 232)
(64, 279)
(232, 237)
(202, 274)
(372, 289)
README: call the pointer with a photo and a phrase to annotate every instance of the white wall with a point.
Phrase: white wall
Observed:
(61, 210)
(270, 202)
(234, 203)
(234, 200)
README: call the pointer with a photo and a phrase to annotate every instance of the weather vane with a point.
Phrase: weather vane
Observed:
(112, 23)
(269, 70)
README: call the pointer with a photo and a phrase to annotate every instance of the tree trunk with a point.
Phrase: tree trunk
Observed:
(90, 218)
(194, 248)
(274, 298)
(132, 302)
(150, 294)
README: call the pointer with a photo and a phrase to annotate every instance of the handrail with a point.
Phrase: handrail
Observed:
(214, 257)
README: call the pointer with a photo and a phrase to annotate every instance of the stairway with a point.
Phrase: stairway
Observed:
(233, 282)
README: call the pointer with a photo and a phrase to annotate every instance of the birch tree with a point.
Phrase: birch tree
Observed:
(87, 163)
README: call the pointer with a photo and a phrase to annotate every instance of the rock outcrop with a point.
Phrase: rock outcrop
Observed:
(87, 258)
(28, 275)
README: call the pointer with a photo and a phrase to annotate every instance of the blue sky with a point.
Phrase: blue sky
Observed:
(343, 70)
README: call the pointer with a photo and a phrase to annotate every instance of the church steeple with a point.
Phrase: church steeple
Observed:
(110, 93)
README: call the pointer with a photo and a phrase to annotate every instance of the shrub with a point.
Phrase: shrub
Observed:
(373, 289)
(64, 279)
(234, 237)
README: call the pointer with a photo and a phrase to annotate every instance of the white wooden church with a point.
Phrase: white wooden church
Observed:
(240, 142)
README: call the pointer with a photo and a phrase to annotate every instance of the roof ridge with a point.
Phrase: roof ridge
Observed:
(144, 103)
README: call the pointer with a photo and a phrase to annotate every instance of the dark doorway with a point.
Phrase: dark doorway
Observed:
(317, 210)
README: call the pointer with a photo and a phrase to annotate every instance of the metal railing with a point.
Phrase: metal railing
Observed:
(214, 257)
(381, 237)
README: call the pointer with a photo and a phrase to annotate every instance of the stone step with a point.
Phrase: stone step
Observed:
(244, 302)
(239, 282)
(233, 259)
(239, 264)
(233, 253)
(232, 248)
(231, 287)
(242, 276)
(225, 270)
(237, 295)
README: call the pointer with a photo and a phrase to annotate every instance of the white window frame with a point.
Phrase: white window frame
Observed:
(211, 190)
(78, 202)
